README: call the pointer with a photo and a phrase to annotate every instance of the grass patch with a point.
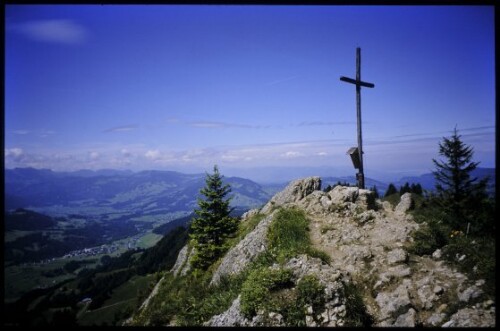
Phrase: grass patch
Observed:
(148, 240)
(190, 301)
(122, 303)
(256, 290)
(479, 261)
(356, 313)
(393, 199)
(245, 228)
(428, 238)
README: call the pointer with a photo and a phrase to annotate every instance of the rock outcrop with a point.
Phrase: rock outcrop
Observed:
(367, 242)
(333, 313)
(182, 265)
(406, 204)
(295, 191)
(244, 252)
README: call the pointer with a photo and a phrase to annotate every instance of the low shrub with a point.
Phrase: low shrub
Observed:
(255, 292)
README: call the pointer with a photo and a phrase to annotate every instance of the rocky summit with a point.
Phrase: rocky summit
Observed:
(367, 243)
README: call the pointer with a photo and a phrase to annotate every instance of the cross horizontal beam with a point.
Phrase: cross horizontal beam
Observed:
(356, 82)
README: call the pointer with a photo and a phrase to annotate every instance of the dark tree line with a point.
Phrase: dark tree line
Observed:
(406, 188)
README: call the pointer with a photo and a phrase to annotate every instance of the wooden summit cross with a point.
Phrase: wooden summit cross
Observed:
(358, 159)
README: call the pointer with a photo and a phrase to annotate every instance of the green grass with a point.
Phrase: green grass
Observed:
(149, 240)
(189, 300)
(124, 299)
(257, 288)
(393, 199)
(288, 236)
(439, 232)
(356, 313)
(245, 228)
(21, 279)
(14, 234)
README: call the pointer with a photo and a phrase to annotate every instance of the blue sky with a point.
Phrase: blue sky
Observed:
(246, 87)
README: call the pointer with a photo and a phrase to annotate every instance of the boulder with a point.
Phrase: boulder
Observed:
(231, 317)
(397, 255)
(405, 204)
(342, 194)
(249, 214)
(294, 192)
(470, 317)
(394, 301)
(406, 320)
(366, 199)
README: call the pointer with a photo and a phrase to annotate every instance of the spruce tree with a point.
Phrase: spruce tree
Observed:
(416, 188)
(460, 194)
(213, 225)
(390, 190)
(405, 189)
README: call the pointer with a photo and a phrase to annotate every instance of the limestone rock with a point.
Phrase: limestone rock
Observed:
(397, 255)
(436, 319)
(437, 254)
(366, 199)
(295, 191)
(392, 302)
(405, 204)
(341, 194)
(367, 247)
(238, 257)
(469, 317)
(249, 214)
(469, 293)
(231, 317)
(182, 264)
(406, 320)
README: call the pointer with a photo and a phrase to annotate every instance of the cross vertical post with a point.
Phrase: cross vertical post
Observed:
(360, 176)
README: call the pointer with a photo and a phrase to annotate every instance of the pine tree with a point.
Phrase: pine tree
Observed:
(213, 225)
(405, 189)
(416, 188)
(459, 193)
(390, 190)
(375, 191)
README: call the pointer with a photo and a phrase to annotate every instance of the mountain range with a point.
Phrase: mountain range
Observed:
(156, 191)
(159, 191)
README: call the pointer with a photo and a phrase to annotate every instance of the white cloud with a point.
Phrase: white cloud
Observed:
(22, 132)
(123, 128)
(322, 154)
(292, 154)
(57, 31)
(126, 153)
(15, 154)
(94, 156)
(153, 154)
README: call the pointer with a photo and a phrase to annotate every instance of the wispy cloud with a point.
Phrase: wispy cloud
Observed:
(61, 31)
(20, 132)
(483, 131)
(122, 128)
(291, 154)
(279, 81)
(225, 125)
(324, 123)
